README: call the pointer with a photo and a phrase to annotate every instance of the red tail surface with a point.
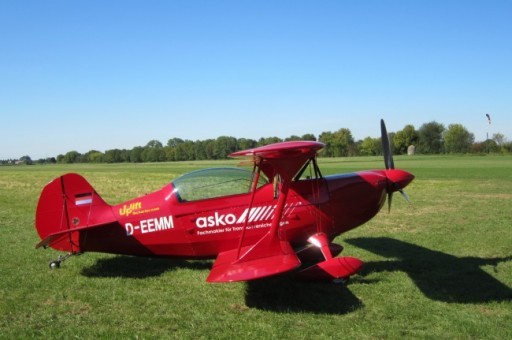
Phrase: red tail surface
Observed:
(67, 205)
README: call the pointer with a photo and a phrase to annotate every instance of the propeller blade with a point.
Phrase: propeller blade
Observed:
(405, 196)
(386, 148)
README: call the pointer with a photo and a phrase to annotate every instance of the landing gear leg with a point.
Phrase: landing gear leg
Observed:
(332, 268)
(56, 263)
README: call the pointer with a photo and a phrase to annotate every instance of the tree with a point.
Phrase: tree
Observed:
(343, 140)
(180, 153)
(402, 139)
(154, 144)
(174, 142)
(292, 138)
(370, 147)
(499, 138)
(430, 138)
(209, 148)
(224, 145)
(244, 143)
(135, 155)
(153, 154)
(113, 156)
(326, 137)
(337, 144)
(268, 140)
(190, 149)
(309, 136)
(27, 160)
(486, 146)
(93, 156)
(501, 141)
(507, 147)
(457, 139)
(70, 157)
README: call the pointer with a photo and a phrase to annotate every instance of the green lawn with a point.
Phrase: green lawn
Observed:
(441, 268)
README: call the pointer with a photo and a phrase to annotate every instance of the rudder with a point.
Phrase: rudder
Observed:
(67, 205)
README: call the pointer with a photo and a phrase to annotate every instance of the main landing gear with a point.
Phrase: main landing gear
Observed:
(56, 263)
(330, 268)
(341, 281)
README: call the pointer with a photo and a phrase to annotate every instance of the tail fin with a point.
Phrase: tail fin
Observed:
(67, 205)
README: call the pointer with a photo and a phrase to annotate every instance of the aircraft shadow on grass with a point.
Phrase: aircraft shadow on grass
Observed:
(282, 293)
(139, 267)
(285, 294)
(438, 275)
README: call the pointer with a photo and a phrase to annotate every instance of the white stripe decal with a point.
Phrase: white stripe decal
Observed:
(254, 212)
(259, 214)
(83, 201)
(242, 217)
(262, 213)
(266, 215)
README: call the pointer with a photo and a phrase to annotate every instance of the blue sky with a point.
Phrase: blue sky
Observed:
(83, 75)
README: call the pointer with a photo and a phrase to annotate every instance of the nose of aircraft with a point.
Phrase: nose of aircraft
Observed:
(398, 179)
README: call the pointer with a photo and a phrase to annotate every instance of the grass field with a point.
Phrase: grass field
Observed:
(441, 268)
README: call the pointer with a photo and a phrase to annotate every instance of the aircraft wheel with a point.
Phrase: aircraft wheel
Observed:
(54, 264)
(341, 281)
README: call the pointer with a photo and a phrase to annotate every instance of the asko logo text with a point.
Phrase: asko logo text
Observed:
(255, 214)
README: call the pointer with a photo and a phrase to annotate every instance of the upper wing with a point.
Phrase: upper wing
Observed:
(284, 150)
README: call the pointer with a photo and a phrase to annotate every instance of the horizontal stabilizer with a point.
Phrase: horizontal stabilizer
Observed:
(58, 236)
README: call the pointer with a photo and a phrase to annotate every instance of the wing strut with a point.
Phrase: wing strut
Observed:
(254, 186)
(269, 255)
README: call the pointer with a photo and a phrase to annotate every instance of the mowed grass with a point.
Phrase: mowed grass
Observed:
(441, 268)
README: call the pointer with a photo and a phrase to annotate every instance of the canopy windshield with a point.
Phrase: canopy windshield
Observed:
(214, 182)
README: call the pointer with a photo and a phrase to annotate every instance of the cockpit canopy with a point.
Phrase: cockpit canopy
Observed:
(214, 182)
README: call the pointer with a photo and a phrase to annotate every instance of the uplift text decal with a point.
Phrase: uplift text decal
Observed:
(135, 209)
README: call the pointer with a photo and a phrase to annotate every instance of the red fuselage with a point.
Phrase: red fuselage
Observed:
(162, 224)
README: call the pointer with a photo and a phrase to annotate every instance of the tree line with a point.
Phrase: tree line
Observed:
(430, 138)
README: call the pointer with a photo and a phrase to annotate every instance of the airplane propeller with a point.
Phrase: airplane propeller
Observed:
(390, 166)
(388, 157)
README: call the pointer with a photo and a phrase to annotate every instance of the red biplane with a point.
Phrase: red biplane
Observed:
(281, 216)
